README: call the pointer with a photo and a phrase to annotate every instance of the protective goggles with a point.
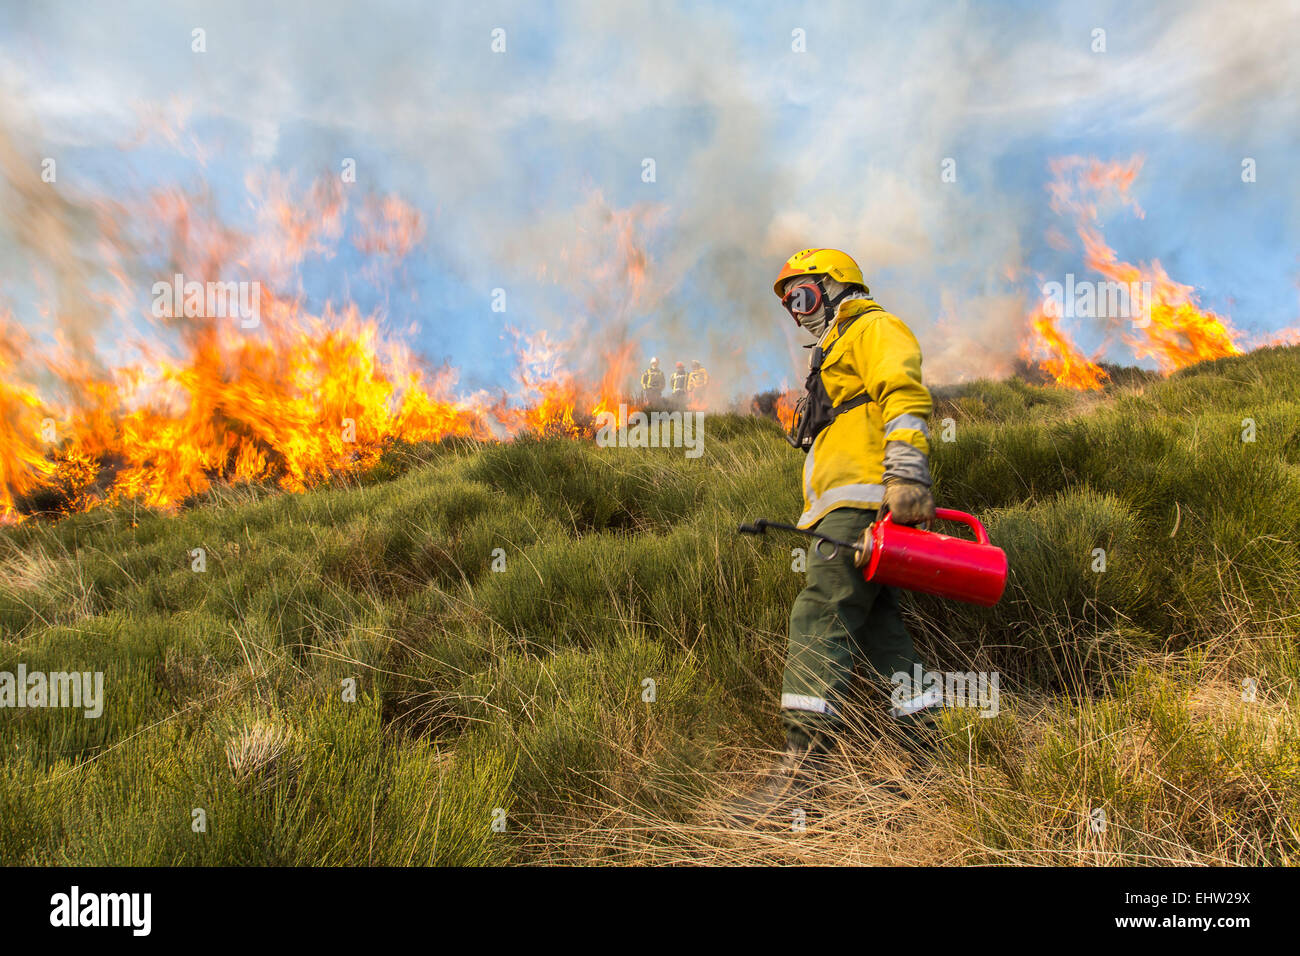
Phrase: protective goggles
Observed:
(803, 299)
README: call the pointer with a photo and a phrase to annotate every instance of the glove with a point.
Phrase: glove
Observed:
(910, 502)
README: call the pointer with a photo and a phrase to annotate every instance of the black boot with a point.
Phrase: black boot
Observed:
(789, 785)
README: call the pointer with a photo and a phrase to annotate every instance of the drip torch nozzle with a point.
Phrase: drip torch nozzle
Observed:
(762, 524)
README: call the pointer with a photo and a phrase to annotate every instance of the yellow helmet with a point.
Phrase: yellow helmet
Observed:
(831, 262)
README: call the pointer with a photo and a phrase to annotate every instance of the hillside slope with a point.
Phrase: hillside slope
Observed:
(499, 608)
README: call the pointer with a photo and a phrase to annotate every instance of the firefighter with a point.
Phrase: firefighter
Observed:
(652, 384)
(863, 426)
(697, 382)
(678, 383)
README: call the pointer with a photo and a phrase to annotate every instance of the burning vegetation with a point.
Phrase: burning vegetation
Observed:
(295, 397)
(1162, 321)
(310, 397)
(288, 398)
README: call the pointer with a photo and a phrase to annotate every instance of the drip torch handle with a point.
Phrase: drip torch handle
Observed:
(961, 517)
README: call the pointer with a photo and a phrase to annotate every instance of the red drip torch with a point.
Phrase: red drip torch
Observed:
(918, 560)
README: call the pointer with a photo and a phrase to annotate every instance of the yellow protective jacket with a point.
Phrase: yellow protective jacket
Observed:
(867, 350)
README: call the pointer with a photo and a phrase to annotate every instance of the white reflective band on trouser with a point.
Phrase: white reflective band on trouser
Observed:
(817, 705)
(928, 699)
(864, 496)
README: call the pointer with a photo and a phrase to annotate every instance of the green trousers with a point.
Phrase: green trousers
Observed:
(840, 621)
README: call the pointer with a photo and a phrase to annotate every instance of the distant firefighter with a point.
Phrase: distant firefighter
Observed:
(680, 385)
(652, 384)
(697, 383)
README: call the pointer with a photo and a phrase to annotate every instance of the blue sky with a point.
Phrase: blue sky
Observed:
(759, 150)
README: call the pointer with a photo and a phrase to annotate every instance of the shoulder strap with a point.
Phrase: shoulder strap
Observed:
(838, 410)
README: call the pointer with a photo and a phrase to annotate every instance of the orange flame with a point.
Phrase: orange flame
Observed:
(1168, 325)
(1058, 356)
(1176, 332)
(785, 407)
(314, 397)
(297, 400)
(23, 463)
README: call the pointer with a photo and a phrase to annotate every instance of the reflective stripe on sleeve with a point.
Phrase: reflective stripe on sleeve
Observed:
(915, 422)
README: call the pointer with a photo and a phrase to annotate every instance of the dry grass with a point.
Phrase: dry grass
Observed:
(1187, 773)
(263, 754)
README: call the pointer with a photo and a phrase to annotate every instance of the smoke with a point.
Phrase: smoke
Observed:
(68, 246)
(770, 129)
